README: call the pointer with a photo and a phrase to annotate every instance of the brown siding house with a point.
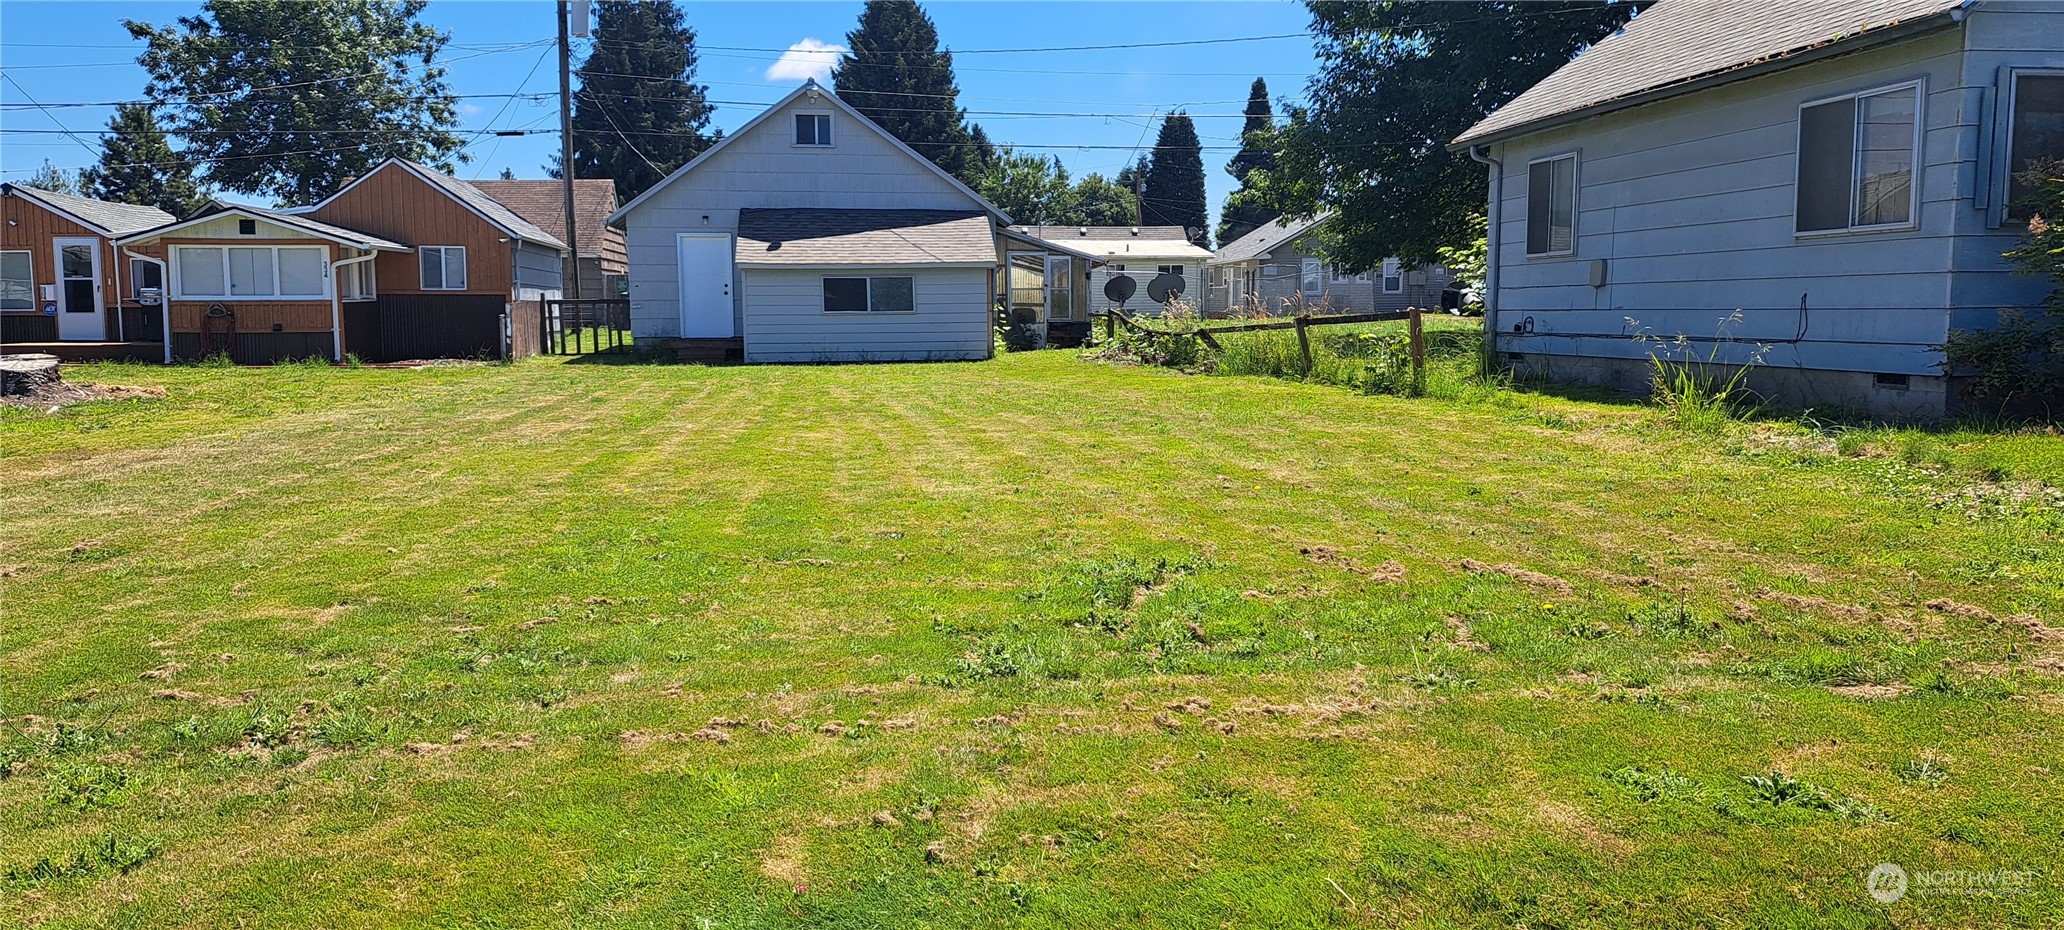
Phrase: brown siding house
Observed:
(603, 265)
(63, 246)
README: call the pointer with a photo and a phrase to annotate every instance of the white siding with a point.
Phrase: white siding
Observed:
(785, 319)
(1143, 270)
(764, 169)
(1689, 202)
(540, 271)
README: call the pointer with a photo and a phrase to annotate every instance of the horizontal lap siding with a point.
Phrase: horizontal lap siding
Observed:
(293, 316)
(1998, 34)
(785, 319)
(1690, 202)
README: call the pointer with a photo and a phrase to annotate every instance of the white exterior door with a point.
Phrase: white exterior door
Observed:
(706, 286)
(81, 315)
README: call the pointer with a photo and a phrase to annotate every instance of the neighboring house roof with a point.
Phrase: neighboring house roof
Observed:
(1679, 46)
(104, 217)
(865, 237)
(468, 196)
(1118, 242)
(1018, 234)
(1260, 242)
(543, 202)
(350, 237)
(823, 93)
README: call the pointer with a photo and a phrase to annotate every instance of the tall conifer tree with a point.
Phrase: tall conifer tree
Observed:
(895, 73)
(639, 113)
(137, 165)
(1244, 210)
(1175, 180)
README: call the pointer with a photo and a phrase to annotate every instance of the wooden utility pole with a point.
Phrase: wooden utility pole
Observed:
(569, 288)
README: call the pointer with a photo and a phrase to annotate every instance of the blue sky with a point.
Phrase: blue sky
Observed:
(78, 52)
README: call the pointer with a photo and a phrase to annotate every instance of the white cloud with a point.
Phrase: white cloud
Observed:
(806, 59)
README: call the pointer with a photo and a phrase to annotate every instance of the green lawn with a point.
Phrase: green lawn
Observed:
(1032, 642)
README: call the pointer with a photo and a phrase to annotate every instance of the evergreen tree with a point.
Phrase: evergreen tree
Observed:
(639, 113)
(1245, 209)
(895, 73)
(290, 98)
(51, 178)
(137, 165)
(508, 175)
(1175, 181)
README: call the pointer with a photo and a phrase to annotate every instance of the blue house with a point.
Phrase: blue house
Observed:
(1822, 189)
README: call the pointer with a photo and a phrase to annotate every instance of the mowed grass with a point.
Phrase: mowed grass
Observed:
(1037, 642)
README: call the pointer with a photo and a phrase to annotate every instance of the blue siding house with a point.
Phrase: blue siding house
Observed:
(1821, 188)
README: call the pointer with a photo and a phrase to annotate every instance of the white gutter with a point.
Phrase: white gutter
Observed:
(337, 303)
(1490, 283)
(164, 299)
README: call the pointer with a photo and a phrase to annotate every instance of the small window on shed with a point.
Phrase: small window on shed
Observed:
(813, 129)
(845, 295)
(2038, 131)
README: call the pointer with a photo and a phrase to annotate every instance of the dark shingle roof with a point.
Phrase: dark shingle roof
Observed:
(864, 237)
(117, 219)
(487, 206)
(1260, 241)
(544, 204)
(1678, 43)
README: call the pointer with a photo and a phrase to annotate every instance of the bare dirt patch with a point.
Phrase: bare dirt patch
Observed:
(1390, 572)
(1523, 575)
(1808, 602)
(1464, 636)
(57, 395)
(1869, 692)
(1958, 609)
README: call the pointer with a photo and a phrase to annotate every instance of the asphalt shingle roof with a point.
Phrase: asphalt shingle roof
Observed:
(864, 237)
(1679, 42)
(118, 219)
(544, 204)
(1261, 241)
(489, 207)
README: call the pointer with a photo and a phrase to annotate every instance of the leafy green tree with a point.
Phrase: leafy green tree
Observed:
(1175, 181)
(138, 165)
(1246, 210)
(290, 98)
(51, 178)
(1100, 201)
(895, 73)
(1033, 189)
(639, 113)
(1396, 82)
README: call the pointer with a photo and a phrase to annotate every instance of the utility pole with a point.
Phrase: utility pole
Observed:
(569, 288)
(1139, 198)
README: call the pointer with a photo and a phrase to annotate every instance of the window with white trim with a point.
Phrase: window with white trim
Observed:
(143, 274)
(870, 295)
(1858, 157)
(1171, 269)
(355, 282)
(1310, 278)
(17, 281)
(813, 129)
(251, 272)
(1393, 276)
(1551, 221)
(2037, 130)
(444, 267)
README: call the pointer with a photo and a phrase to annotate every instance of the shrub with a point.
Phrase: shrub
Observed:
(2023, 356)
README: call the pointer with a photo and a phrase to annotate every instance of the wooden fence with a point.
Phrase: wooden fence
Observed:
(1302, 323)
(585, 327)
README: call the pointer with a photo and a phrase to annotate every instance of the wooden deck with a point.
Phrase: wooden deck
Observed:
(90, 351)
(706, 351)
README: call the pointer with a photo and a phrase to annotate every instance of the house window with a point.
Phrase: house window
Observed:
(1309, 278)
(250, 271)
(444, 267)
(1551, 227)
(1171, 269)
(145, 274)
(2037, 131)
(863, 295)
(1857, 160)
(355, 282)
(813, 129)
(17, 281)
(1393, 276)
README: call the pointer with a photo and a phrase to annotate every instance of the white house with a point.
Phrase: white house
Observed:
(811, 234)
(1141, 253)
(1278, 268)
(1834, 177)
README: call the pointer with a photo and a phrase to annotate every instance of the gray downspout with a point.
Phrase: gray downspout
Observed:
(1497, 189)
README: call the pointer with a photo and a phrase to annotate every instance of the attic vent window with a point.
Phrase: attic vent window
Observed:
(813, 129)
(247, 227)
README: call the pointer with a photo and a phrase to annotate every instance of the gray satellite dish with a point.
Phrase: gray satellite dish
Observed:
(1120, 288)
(1165, 287)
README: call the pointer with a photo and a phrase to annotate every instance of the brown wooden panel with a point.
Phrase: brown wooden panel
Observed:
(296, 316)
(397, 205)
(259, 348)
(26, 224)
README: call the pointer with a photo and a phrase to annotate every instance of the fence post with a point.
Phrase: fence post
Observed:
(1418, 351)
(1303, 343)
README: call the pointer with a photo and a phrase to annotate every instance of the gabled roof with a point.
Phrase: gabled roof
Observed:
(809, 86)
(350, 237)
(105, 217)
(543, 202)
(865, 237)
(1260, 242)
(1679, 46)
(468, 196)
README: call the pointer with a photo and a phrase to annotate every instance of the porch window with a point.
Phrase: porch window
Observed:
(1060, 287)
(17, 281)
(1858, 156)
(356, 281)
(202, 272)
(143, 274)
(813, 129)
(876, 295)
(1393, 276)
(2037, 131)
(1551, 226)
(250, 271)
(444, 267)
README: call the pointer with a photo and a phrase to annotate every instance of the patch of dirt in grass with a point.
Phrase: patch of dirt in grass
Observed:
(1464, 638)
(1578, 826)
(1390, 572)
(163, 672)
(1869, 692)
(1630, 581)
(783, 860)
(56, 395)
(2036, 628)
(1523, 575)
(1957, 609)
(1807, 602)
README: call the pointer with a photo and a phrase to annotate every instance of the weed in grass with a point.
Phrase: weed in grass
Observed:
(343, 729)
(84, 785)
(1698, 393)
(988, 660)
(1672, 621)
(109, 853)
(1661, 783)
(265, 727)
(1924, 770)
(1436, 676)
(1819, 668)
(1778, 789)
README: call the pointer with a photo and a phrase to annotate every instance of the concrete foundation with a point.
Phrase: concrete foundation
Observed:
(1882, 397)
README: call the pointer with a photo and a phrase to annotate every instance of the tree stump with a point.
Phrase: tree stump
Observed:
(27, 373)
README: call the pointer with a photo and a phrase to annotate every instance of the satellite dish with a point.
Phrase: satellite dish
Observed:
(1120, 288)
(1165, 287)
